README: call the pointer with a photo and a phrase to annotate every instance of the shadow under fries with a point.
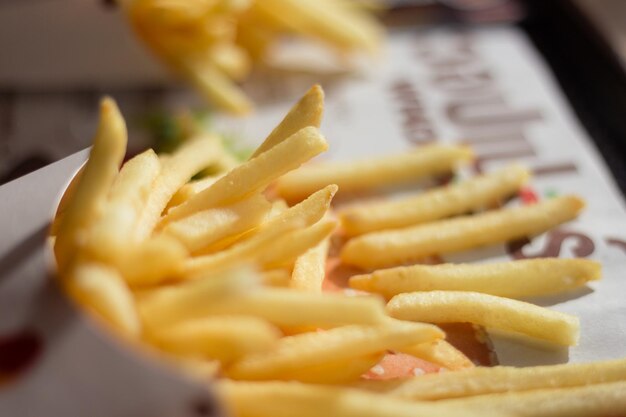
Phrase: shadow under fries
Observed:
(517, 350)
(551, 300)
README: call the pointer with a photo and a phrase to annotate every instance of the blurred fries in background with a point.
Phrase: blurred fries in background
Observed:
(215, 43)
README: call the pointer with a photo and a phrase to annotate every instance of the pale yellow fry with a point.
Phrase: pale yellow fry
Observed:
(393, 247)
(193, 156)
(102, 290)
(286, 249)
(306, 112)
(280, 399)
(408, 167)
(112, 235)
(587, 401)
(489, 311)
(280, 306)
(342, 343)
(214, 85)
(301, 215)
(334, 372)
(67, 196)
(88, 201)
(500, 379)
(190, 189)
(255, 174)
(206, 227)
(152, 261)
(441, 353)
(438, 203)
(222, 338)
(276, 277)
(517, 279)
(343, 28)
(309, 270)
(193, 299)
(231, 59)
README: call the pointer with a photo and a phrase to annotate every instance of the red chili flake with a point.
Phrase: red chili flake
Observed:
(528, 196)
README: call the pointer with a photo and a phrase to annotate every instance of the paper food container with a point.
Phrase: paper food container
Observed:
(483, 87)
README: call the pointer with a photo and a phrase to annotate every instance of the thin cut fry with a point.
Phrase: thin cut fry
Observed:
(372, 173)
(276, 278)
(500, 379)
(301, 215)
(191, 158)
(393, 247)
(441, 353)
(306, 112)
(223, 338)
(341, 343)
(335, 372)
(438, 203)
(87, 203)
(280, 399)
(587, 401)
(255, 174)
(310, 268)
(489, 311)
(206, 227)
(518, 279)
(102, 290)
(190, 189)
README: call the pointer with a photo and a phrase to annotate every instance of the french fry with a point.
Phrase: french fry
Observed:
(309, 270)
(587, 401)
(306, 112)
(195, 155)
(480, 381)
(280, 399)
(255, 174)
(301, 215)
(286, 249)
(67, 196)
(393, 247)
(222, 338)
(88, 201)
(372, 173)
(440, 353)
(438, 203)
(489, 311)
(112, 235)
(190, 189)
(276, 277)
(342, 343)
(334, 372)
(206, 227)
(102, 290)
(198, 368)
(518, 279)
(152, 261)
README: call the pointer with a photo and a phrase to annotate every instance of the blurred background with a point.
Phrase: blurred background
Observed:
(60, 56)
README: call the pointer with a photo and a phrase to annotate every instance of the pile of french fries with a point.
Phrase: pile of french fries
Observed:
(214, 43)
(222, 277)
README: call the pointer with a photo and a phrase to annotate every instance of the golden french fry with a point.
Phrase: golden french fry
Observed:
(255, 174)
(309, 270)
(88, 201)
(193, 299)
(372, 173)
(438, 203)
(306, 112)
(388, 248)
(102, 290)
(113, 234)
(517, 279)
(440, 353)
(501, 379)
(152, 261)
(67, 196)
(195, 155)
(342, 343)
(280, 399)
(586, 401)
(286, 249)
(190, 189)
(276, 278)
(206, 227)
(486, 310)
(231, 59)
(223, 338)
(334, 372)
(304, 214)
